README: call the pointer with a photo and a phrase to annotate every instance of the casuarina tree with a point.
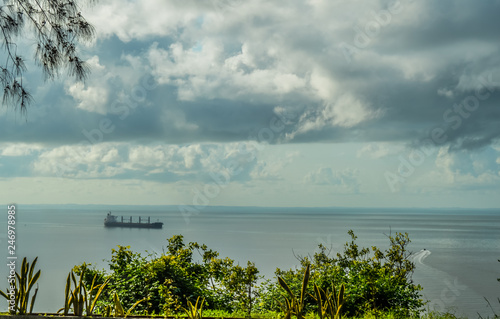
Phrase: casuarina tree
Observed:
(57, 27)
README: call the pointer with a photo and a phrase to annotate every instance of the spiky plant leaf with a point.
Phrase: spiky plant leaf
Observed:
(67, 301)
(107, 311)
(3, 294)
(32, 267)
(33, 299)
(288, 310)
(305, 281)
(74, 302)
(332, 309)
(285, 286)
(96, 297)
(133, 306)
(118, 306)
(319, 301)
(33, 280)
(73, 278)
(341, 296)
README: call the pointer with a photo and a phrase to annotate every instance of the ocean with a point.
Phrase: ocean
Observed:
(456, 250)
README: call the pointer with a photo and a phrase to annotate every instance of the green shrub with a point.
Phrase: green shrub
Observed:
(375, 281)
(174, 279)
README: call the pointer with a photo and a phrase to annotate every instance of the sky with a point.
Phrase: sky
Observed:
(266, 103)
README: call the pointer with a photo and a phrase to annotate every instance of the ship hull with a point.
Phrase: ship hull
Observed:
(134, 225)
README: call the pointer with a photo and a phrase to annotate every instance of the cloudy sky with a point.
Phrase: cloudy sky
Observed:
(267, 103)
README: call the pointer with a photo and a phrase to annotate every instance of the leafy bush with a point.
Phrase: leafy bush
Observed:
(375, 281)
(176, 278)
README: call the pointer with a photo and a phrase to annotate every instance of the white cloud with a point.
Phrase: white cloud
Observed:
(375, 151)
(265, 171)
(208, 72)
(92, 97)
(460, 171)
(18, 149)
(325, 85)
(346, 111)
(79, 161)
(272, 168)
(345, 180)
(130, 20)
(445, 92)
(107, 160)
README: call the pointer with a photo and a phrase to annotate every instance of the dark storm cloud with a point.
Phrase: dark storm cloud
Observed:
(221, 76)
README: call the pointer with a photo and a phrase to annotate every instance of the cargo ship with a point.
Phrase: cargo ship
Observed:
(112, 221)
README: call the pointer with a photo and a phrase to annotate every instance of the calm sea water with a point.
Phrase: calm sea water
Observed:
(457, 269)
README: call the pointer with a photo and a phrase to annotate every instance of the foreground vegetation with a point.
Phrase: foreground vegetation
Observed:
(189, 279)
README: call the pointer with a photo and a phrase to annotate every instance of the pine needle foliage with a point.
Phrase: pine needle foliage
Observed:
(57, 26)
